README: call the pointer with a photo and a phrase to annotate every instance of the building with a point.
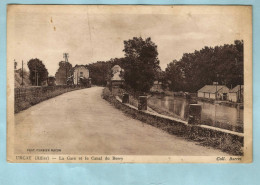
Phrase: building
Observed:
(210, 91)
(157, 87)
(79, 75)
(51, 81)
(236, 94)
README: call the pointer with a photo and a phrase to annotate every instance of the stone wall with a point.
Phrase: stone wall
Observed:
(25, 97)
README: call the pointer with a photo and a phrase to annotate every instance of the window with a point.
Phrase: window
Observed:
(81, 74)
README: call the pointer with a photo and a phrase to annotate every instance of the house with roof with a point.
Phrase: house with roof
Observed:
(214, 91)
(79, 75)
(236, 94)
(157, 86)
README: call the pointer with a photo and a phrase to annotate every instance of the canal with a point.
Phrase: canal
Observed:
(216, 115)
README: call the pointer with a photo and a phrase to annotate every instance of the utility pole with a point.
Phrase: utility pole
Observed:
(22, 73)
(15, 64)
(66, 56)
(216, 97)
(35, 76)
(240, 89)
(216, 83)
(78, 77)
(216, 92)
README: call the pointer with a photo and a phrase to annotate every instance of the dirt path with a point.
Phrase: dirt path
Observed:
(81, 122)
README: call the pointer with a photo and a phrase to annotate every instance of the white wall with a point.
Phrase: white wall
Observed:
(201, 94)
(212, 96)
(76, 73)
(232, 97)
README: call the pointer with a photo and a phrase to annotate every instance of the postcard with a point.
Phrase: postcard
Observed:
(129, 84)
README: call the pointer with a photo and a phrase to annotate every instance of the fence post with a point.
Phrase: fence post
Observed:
(194, 114)
(142, 103)
(125, 98)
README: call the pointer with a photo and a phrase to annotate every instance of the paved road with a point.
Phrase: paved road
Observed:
(81, 122)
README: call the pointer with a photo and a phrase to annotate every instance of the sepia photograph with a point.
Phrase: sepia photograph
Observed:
(129, 84)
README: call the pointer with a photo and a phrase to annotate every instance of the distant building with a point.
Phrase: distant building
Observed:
(157, 86)
(79, 74)
(237, 94)
(51, 81)
(117, 78)
(210, 91)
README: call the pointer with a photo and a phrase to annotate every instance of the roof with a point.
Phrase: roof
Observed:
(78, 66)
(211, 88)
(236, 89)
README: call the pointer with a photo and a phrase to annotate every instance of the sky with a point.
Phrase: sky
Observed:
(97, 33)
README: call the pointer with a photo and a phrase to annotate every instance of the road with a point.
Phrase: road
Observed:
(81, 122)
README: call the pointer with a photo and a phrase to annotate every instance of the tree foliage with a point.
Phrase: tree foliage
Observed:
(36, 66)
(63, 72)
(100, 72)
(222, 64)
(141, 63)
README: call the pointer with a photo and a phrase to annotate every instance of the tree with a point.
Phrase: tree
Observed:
(38, 71)
(174, 76)
(98, 72)
(222, 64)
(63, 72)
(141, 63)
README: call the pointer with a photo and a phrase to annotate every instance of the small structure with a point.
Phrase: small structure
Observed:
(79, 75)
(117, 78)
(236, 94)
(157, 87)
(51, 81)
(214, 91)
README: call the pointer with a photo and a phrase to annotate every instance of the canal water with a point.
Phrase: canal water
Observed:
(216, 115)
